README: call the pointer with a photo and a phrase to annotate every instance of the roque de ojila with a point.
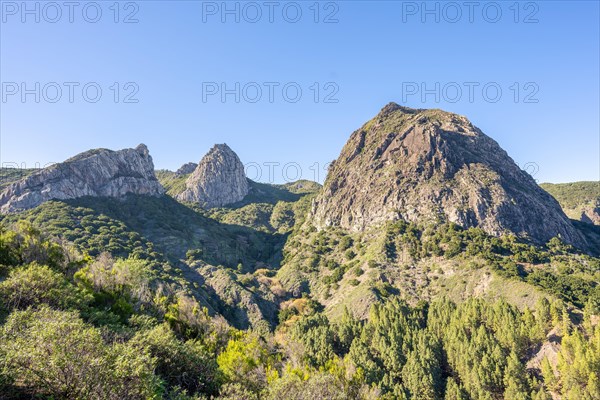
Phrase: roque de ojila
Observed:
(428, 266)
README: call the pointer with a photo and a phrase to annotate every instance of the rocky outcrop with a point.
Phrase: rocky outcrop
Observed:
(99, 172)
(218, 180)
(186, 169)
(591, 214)
(434, 166)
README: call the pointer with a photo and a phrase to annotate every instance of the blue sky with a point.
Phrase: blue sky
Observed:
(349, 60)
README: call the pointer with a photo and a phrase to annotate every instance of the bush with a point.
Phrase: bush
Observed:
(55, 354)
(313, 262)
(122, 285)
(331, 264)
(321, 385)
(350, 254)
(345, 243)
(287, 313)
(244, 361)
(34, 284)
(186, 365)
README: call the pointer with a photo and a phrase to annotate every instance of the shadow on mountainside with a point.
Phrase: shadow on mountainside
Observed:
(175, 229)
(205, 251)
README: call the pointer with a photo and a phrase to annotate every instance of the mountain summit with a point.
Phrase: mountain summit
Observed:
(434, 166)
(99, 172)
(218, 180)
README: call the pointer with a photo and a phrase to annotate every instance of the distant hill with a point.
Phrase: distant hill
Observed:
(579, 200)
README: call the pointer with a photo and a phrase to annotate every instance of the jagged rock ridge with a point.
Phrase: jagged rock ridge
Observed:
(218, 180)
(430, 165)
(99, 172)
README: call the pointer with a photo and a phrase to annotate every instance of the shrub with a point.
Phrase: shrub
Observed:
(349, 254)
(331, 264)
(187, 365)
(34, 284)
(345, 243)
(55, 354)
(244, 361)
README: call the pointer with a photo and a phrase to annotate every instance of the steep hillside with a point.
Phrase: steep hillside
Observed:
(433, 166)
(428, 267)
(12, 175)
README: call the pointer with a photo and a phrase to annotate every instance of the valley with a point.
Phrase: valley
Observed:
(427, 266)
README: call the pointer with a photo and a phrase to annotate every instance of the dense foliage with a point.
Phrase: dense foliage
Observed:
(76, 326)
(144, 297)
(575, 194)
(404, 251)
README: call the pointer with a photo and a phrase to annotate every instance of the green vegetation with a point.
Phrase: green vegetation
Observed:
(146, 298)
(579, 200)
(572, 195)
(271, 194)
(149, 228)
(424, 262)
(172, 183)
(11, 175)
(76, 325)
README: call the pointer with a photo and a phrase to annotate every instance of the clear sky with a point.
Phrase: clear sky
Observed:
(348, 58)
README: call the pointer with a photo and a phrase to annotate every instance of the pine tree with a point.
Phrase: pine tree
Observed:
(548, 374)
(453, 391)
(541, 395)
(515, 380)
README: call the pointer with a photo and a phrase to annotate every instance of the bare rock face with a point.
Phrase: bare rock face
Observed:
(434, 166)
(99, 172)
(591, 214)
(218, 180)
(186, 169)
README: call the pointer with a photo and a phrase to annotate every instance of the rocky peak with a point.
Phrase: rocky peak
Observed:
(218, 180)
(99, 172)
(431, 165)
(143, 150)
(186, 169)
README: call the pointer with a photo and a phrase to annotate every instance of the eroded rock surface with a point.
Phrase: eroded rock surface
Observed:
(99, 172)
(218, 180)
(430, 165)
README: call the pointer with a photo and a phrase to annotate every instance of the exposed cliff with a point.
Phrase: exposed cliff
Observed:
(430, 165)
(186, 169)
(218, 180)
(99, 172)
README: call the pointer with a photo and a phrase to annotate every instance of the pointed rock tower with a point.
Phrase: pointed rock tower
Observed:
(218, 180)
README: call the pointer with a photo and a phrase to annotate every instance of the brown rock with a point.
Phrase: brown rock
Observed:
(434, 166)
